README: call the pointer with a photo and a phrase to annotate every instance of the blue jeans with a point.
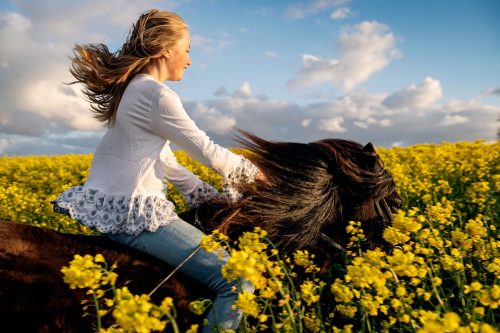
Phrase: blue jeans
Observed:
(175, 242)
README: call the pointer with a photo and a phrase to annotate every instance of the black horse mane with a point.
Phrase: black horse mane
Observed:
(310, 186)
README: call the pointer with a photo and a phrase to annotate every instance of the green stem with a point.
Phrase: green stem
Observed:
(434, 288)
(173, 322)
(96, 302)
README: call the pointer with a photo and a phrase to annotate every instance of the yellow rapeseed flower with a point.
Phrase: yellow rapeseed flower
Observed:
(83, 272)
(193, 328)
(247, 303)
(343, 293)
(347, 310)
(310, 292)
(134, 313)
(395, 236)
(304, 259)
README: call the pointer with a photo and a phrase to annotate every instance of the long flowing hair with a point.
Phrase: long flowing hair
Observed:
(105, 74)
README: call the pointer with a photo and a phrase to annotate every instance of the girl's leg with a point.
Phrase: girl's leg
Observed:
(175, 242)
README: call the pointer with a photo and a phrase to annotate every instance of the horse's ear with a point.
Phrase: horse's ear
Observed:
(369, 148)
(371, 156)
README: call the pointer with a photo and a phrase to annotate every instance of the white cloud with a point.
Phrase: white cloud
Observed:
(385, 122)
(363, 50)
(340, 13)
(365, 123)
(332, 125)
(298, 11)
(450, 120)
(91, 14)
(66, 143)
(34, 98)
(397, 144)
(358, 116)
(421, 96)
(14, 33)
(244, 91)
(210, 45)
(210, 119)
(14, 22)
(458, 106)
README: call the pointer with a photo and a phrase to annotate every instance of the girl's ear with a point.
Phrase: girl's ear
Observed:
(165, 54)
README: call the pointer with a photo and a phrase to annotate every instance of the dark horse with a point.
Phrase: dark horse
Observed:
(313, 191)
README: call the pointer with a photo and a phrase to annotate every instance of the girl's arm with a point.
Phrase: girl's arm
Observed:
(194, 190)
(170, 120)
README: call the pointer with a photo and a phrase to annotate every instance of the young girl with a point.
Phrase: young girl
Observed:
(125, 193)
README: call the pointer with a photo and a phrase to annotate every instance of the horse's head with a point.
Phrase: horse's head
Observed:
(365, 191)
(314, 190)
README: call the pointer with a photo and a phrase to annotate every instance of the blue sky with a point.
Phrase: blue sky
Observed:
(395, 73)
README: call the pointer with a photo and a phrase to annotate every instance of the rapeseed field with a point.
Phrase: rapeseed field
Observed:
(443, 277)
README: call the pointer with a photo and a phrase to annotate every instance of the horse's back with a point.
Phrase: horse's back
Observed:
(26, 245)
(33, 296)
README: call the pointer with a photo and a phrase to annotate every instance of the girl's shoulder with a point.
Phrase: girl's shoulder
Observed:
(144, 87)
(145, 84)
(166, 94)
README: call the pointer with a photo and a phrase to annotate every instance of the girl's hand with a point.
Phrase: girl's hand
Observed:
(261, 177)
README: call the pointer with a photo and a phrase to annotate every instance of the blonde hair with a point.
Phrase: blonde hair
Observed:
(105, 75)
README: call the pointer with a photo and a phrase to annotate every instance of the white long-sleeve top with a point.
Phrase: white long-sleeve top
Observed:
(126, 188)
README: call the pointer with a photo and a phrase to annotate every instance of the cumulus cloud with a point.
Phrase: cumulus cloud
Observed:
(358, 116)
(333, 125)
(450, 120)
(298, 11)
(365, 123)
(244, 91)
(34, 97)
(64, 143)
(210, 119)
(340, 13)
(210, 45)
(458, 106)
(363, 50)
(51, 25)
(415, 96)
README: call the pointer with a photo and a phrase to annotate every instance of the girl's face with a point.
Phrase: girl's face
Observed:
(178, 58)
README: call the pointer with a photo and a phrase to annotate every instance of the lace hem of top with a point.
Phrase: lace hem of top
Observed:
(114, 213)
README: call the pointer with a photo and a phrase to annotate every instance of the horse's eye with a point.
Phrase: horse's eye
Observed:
(397, 204)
